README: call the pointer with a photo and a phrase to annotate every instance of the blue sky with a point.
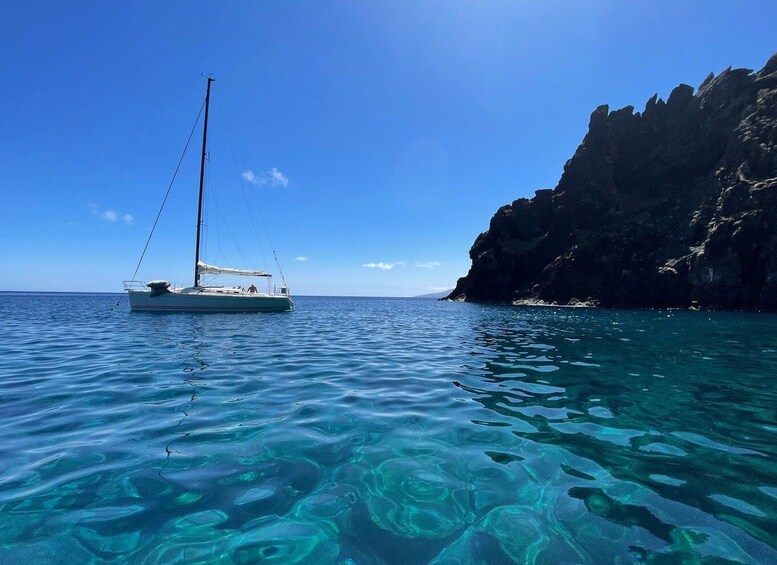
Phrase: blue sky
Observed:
(377, 138)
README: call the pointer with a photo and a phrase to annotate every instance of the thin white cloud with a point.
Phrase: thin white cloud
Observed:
(251, 177)
(401, 263)
(300, 258)
(439, 288)
(277, 177)
(428, 264)
(382, 266)
(109, 215)
(271, 177)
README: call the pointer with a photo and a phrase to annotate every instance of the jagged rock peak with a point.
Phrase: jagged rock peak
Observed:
(680, 96)
(770, 67)
(673, 207)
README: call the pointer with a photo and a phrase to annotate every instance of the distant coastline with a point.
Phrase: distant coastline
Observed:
(434, 295)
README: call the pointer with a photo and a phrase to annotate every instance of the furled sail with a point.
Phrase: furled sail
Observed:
(203, 268)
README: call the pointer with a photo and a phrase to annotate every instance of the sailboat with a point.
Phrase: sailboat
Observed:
(161, 296)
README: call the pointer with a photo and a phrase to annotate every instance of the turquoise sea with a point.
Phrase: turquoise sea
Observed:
(372, 431)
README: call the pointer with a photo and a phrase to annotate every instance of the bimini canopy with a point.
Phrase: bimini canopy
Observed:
(203, 268)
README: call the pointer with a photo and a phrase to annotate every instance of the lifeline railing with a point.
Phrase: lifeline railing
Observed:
(134, 285)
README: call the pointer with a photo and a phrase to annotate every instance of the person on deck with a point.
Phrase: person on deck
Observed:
(252, 289)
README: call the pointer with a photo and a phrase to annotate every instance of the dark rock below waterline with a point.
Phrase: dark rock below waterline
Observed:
(671, 207)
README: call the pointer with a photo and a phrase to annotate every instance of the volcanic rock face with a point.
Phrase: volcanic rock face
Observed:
(666, 208)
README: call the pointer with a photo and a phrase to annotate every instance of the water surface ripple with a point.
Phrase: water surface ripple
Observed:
(385, 431)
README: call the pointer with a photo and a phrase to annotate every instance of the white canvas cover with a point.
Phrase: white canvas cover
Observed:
(204, 268)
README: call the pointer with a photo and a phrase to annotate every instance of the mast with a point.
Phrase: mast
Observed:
(202, 179)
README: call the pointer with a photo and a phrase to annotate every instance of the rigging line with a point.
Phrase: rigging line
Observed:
(269, 239)
(264, 225)
(210, 213)
(279, 269)
(243, 190)
(207, 203)
(164, 201)
(221, 220)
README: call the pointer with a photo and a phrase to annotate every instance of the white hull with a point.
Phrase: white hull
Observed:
(206, 299)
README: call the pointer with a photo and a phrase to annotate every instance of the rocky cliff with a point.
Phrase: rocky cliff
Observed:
(669, 207)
